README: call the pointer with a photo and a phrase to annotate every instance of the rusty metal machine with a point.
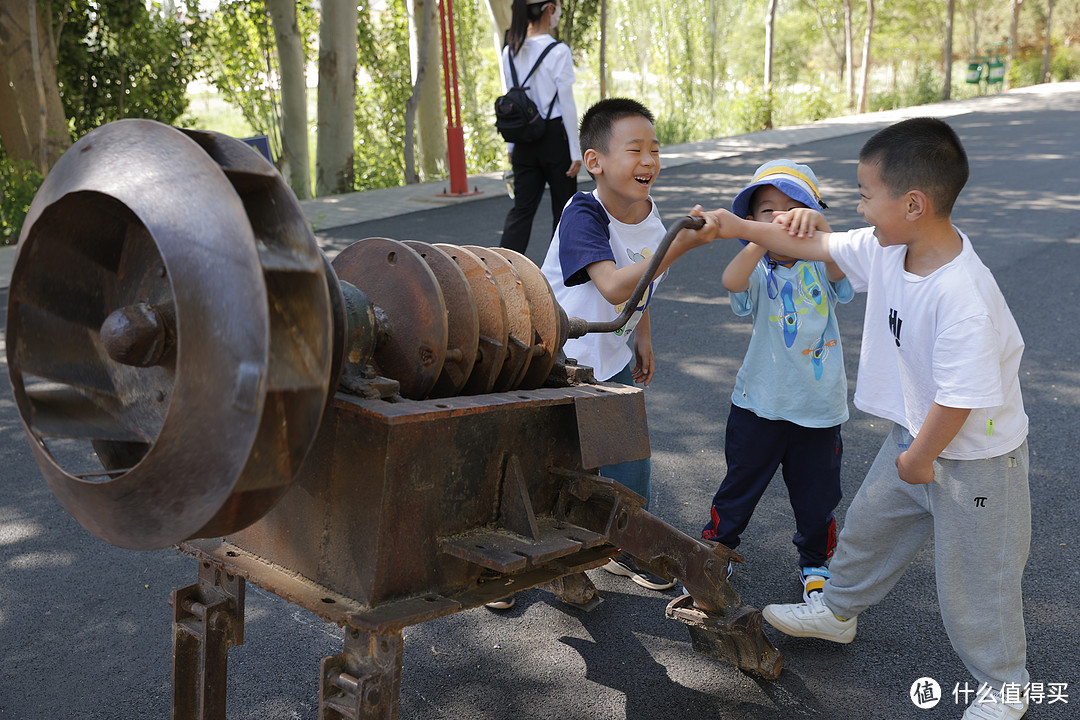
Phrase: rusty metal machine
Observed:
(383, 440)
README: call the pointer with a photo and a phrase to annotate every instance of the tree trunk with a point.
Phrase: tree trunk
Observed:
(337, 97)
(829, 36)
(603, 49)
(849, 52)
(950, 12)
(1044, 74)
(864, 76)
(430, 112)
(712, 53)
(411, 105)
(1014, 38)
(501, 11)
(770, 24)
(295, 161)
(32, 123)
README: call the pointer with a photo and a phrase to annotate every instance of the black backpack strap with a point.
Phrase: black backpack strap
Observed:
(538, 60)
(513, 70)
(548, 116)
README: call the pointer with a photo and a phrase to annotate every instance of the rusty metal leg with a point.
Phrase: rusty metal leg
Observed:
(721, 625)
(208, 619)
(364, 682)
(575, 589)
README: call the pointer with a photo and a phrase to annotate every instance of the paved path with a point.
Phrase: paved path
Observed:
(85, 629)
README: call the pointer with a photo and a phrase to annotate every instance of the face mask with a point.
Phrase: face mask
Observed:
(556, 15)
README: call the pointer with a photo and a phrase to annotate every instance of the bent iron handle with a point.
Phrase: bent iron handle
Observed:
(579, 326)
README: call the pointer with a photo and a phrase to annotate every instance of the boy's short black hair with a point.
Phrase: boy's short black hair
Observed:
(595, 129)
(920, 154)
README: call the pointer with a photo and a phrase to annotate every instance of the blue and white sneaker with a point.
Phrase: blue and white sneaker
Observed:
(813, 580)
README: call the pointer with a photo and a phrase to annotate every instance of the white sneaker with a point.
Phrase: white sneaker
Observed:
(505, 604)
(810, 619)
(993, 707)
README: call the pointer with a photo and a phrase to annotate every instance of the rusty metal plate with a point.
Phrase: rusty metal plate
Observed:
(611, 431)
(403, 288)
(494, 327)
(463, 334)
(548, 335)
(519, 343)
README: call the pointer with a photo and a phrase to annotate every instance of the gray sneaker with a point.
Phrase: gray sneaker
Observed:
(810, 619)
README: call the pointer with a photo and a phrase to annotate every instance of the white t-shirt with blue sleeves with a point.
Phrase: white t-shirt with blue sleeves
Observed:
(794, 366)
(587, 233)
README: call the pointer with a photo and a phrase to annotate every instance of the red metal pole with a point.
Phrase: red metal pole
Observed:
(455, 136)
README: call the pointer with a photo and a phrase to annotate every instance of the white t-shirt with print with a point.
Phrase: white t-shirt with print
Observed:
(946, 338)
(587, 233)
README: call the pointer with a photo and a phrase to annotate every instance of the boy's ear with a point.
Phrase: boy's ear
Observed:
(917, 204)
(591, 161)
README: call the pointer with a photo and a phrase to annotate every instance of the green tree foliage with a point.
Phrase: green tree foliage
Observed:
(384, 87)
(118, 59)
(20, 182)
(236, 50)
(698, 64)
(578, 23)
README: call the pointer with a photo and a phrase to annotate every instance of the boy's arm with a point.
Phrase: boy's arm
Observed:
(774, 236)
(916, 464)
(645, 368)
(833, 272)
(617, 284)
(736, 277)
(803, 222)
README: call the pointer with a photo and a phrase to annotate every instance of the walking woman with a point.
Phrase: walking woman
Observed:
(555, 158)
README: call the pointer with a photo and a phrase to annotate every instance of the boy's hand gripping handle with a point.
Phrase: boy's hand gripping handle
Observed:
(579, 326)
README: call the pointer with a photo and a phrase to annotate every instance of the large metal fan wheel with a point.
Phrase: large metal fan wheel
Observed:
(169, 333)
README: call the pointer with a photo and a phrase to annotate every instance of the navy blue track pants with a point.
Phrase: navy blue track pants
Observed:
(754, 448)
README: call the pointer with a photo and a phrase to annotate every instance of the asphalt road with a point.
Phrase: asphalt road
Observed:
(85, 629)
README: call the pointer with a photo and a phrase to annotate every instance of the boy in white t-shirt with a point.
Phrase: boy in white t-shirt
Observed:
(939, 358)
(599, 253)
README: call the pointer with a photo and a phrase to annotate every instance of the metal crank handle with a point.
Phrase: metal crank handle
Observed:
(580, 326)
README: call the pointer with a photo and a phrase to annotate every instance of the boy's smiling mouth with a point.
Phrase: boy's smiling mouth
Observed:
(643, 179)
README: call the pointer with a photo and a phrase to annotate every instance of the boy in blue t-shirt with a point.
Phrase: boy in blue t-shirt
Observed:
(599, 253)
(790, 394)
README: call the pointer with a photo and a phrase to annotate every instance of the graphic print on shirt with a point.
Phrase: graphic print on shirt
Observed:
(793, 302)
(894, 325)
(811, 292)
(645, 254)
(789, 315)
(812, 288)
(818, 352)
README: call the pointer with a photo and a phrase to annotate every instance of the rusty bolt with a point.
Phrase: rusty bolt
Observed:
(134, 335)
(428, 356)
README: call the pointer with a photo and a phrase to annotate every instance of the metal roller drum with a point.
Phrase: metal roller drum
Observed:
(518, 314)
(463, 320)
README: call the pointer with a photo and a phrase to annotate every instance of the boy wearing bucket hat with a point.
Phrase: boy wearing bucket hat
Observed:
(939, 359)
(790, 394)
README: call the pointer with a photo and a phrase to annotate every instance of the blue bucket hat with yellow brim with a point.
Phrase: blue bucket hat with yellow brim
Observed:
(796, 181)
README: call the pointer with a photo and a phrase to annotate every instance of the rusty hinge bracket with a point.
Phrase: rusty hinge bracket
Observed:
(208, 619)
(364, 682)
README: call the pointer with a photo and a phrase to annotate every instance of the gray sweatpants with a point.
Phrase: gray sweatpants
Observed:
(979, 513)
